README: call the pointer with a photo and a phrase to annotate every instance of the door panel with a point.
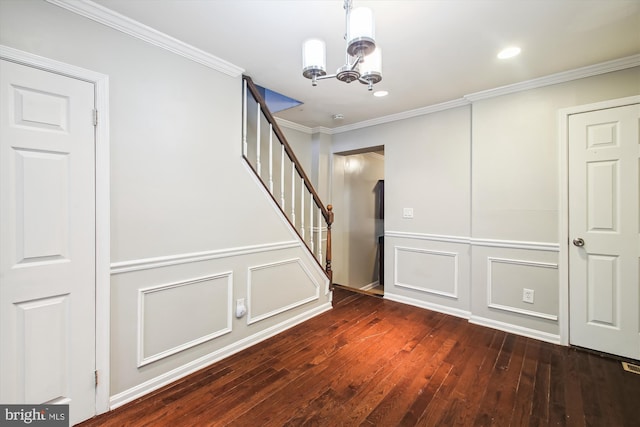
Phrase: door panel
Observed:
(604, 286)
(47, 253)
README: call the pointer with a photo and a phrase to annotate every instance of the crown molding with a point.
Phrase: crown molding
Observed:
(292, 125)
(403, 115)
(126, 25)
(322, 129)
(565, 76)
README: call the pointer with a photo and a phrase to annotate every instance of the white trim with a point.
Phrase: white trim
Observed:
(292, 125)
(529, 313)
(563, 202)
(562, 77)
(429, 109)
(511, 244)
(512, 309)
(429, 237)
(370, 286)
(552, 79)
(103, 204)
(514, 329)
(398, 284)
(169, 260)
(516, 244)
(201, 363)
(428, 305)
(250, 318)
(142, 360)
(126, 25)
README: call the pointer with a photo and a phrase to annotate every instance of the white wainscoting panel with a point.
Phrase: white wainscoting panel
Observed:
(196, 310)
(425, 270)
(278, 287)
(506, 278)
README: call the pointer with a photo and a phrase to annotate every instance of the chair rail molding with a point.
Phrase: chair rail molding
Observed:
(169, 260)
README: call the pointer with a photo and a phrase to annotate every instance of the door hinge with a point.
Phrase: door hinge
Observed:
(96, 377)
(95, 117)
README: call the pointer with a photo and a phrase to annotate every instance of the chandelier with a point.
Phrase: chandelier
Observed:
(361, 44)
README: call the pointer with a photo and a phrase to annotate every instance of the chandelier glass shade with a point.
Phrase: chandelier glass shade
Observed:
(363, 59)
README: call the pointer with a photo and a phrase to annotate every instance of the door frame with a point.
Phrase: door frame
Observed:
(102, 202)
(563, 211)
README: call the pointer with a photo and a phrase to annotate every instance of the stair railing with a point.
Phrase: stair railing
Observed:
(266, 150)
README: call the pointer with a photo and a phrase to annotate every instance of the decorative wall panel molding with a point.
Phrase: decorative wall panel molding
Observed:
(165, 261)
(434, 272)
(182, 371)
(176, 316)
(278, 287)
(527, 265)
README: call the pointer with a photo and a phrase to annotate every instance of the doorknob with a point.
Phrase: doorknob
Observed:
(578, 242)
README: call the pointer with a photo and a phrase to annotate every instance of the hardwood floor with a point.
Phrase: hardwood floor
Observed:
(374, 362)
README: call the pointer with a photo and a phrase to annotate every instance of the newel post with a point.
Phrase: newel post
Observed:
(328, 252)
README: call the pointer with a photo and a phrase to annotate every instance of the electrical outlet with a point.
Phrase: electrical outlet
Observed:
(407, 213)
(527, 295)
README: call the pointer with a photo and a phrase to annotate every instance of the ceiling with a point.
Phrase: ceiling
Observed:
(433, 50)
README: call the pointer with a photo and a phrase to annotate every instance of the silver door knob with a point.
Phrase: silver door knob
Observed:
(578, 242)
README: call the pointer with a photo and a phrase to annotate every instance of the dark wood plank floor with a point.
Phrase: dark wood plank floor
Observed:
(374, 362)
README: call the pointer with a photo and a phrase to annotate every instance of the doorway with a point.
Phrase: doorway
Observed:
(358, 245)
(603, 284)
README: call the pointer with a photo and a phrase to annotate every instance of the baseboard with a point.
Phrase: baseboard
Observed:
(191, 367)
(514, 329)
(428, 305)
(482, 321)
(370, 286)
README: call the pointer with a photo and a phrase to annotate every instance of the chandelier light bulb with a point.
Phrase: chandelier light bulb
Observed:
(361, 32)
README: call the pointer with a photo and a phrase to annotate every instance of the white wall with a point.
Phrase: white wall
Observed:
(515, 203)
(483, 183)
(191, 231)
(427, 168)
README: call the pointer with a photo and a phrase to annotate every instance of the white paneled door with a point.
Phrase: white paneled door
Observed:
(604, 221)
(47, 252)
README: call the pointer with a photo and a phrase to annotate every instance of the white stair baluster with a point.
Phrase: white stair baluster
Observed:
(244, 118)
(271, 158)
(282, 177)
(258, 165)
(320, 235)
(293, 194)
(302, 187)
(311, 224)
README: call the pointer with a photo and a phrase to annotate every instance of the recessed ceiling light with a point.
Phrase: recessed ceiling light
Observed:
(509, 52)
(380, 93)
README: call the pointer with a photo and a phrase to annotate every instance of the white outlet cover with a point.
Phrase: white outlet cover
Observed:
(407, 213)
(528, 295)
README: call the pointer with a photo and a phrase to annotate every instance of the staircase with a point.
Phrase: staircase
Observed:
(267, 152)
